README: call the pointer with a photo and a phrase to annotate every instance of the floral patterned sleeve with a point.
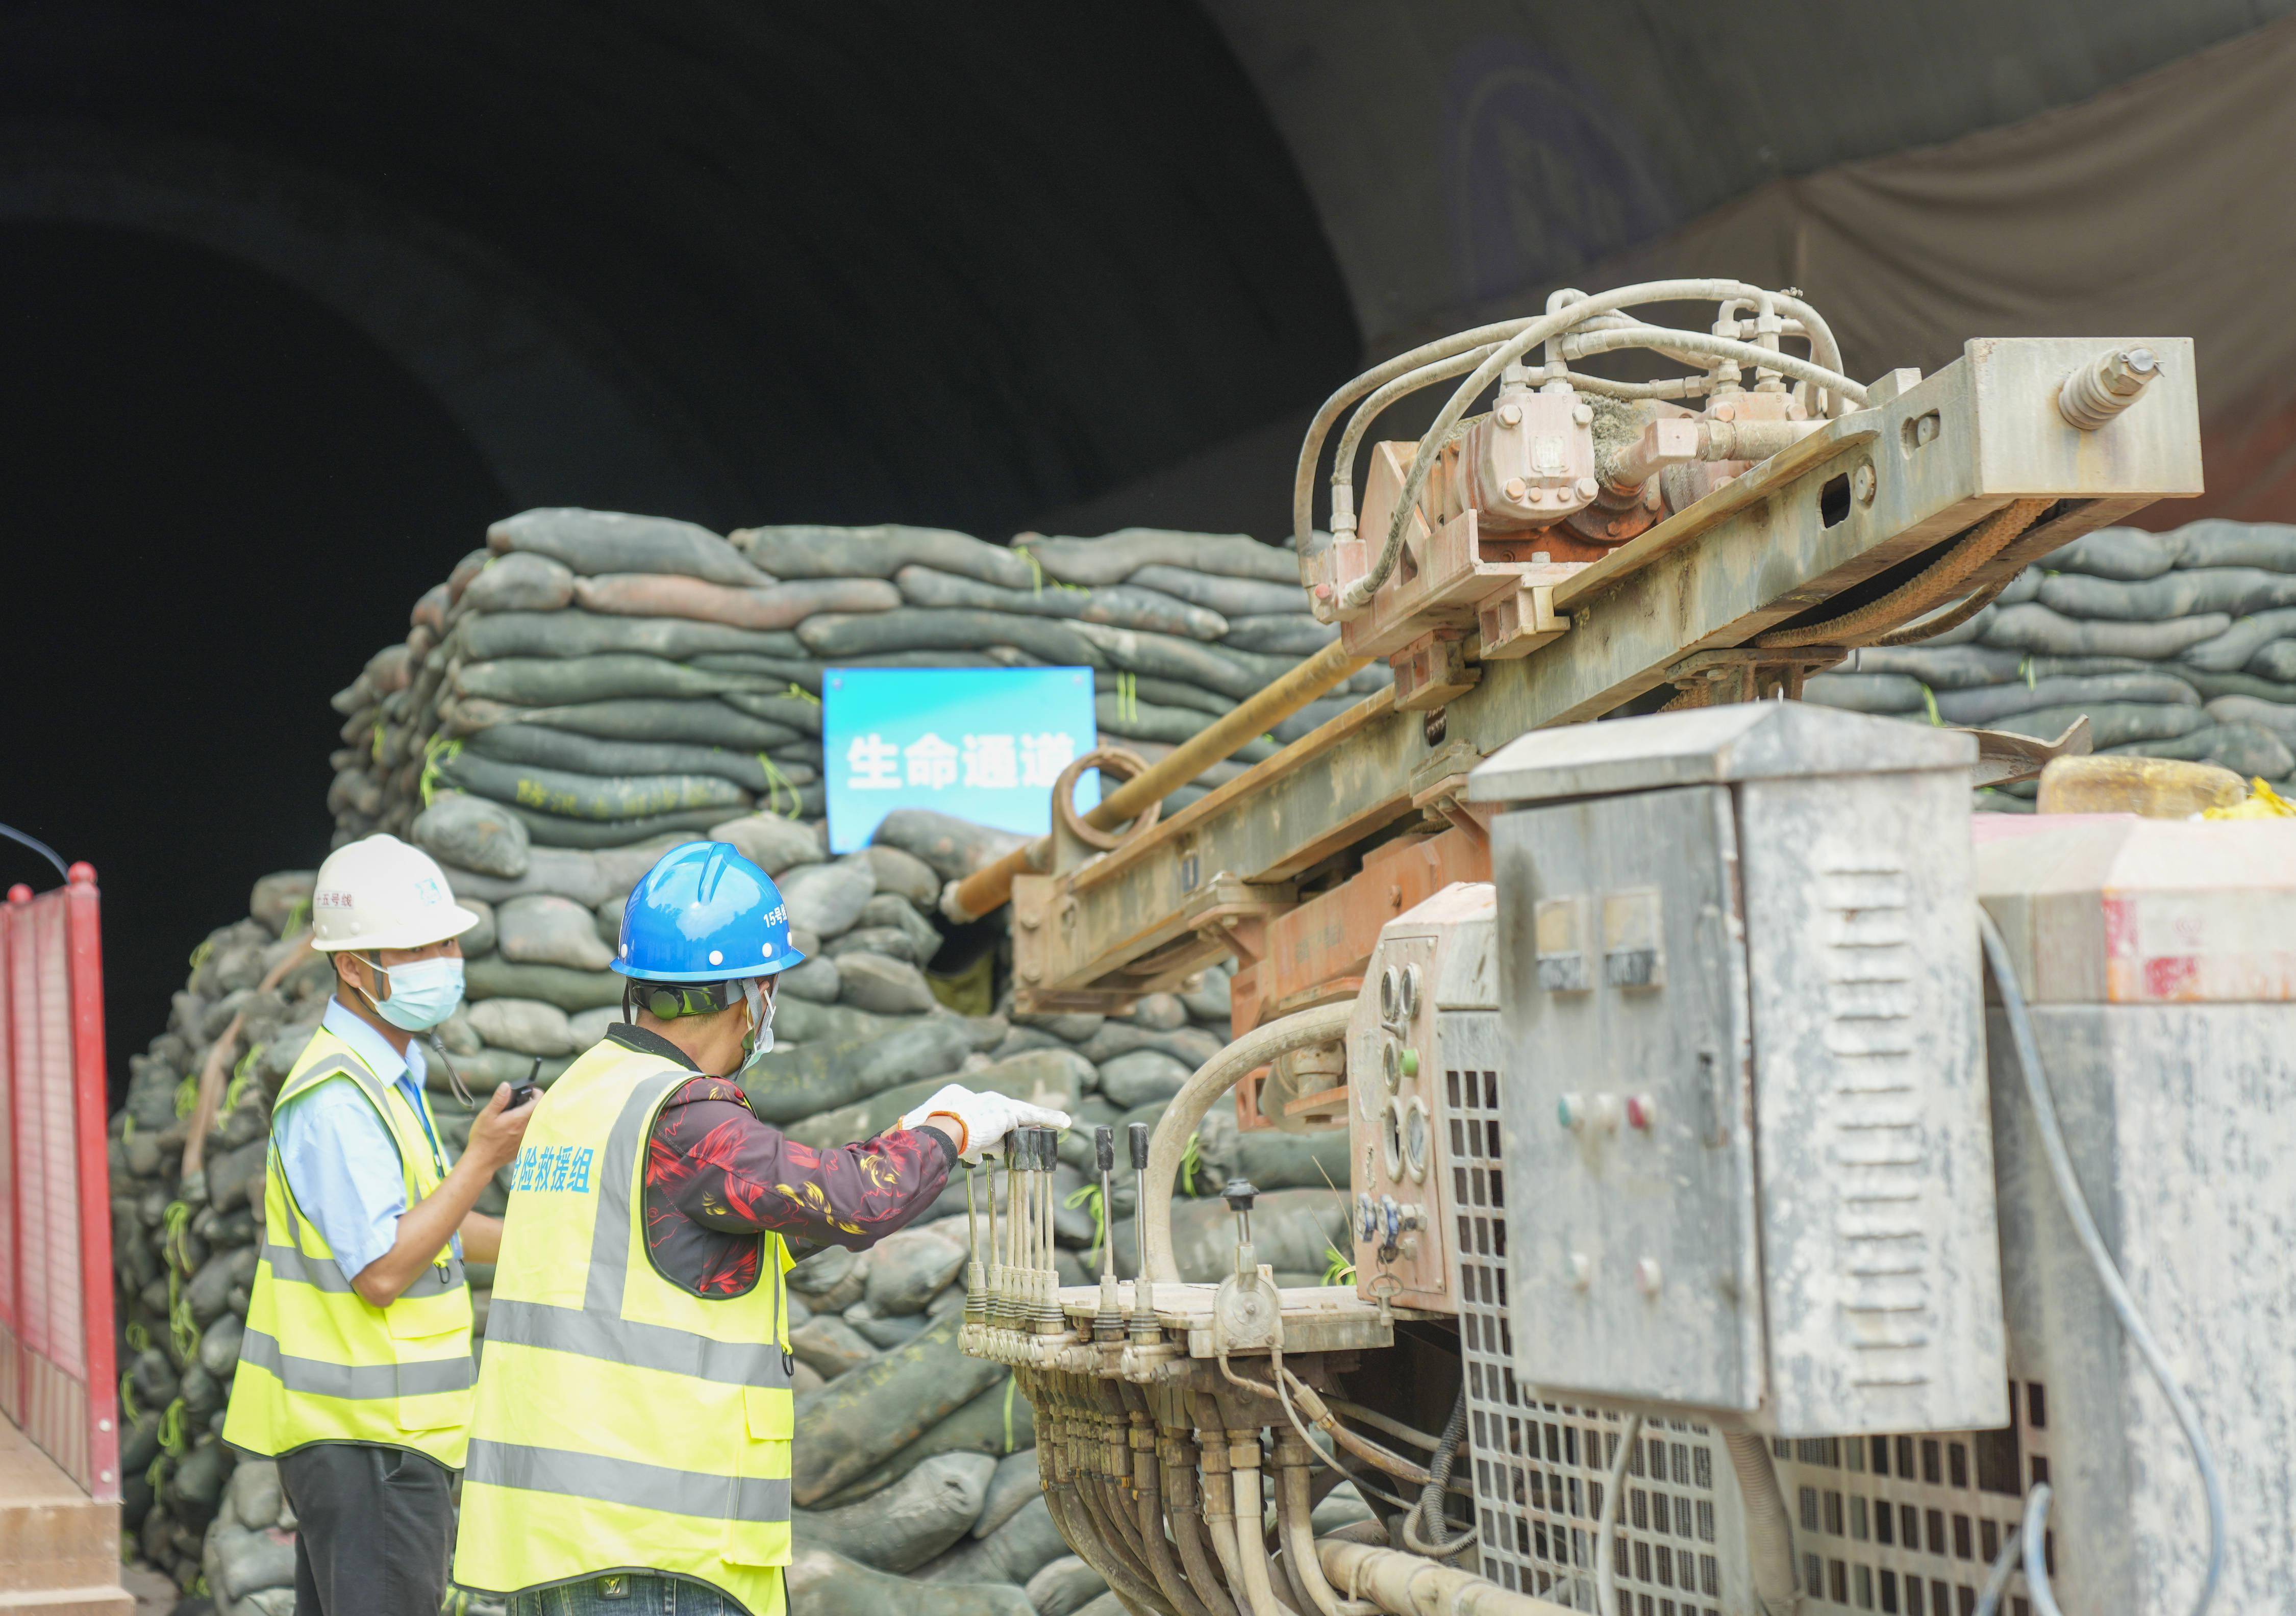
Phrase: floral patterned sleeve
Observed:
(714, 1172)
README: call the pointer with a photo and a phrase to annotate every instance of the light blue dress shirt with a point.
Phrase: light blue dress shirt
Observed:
(339, 1156)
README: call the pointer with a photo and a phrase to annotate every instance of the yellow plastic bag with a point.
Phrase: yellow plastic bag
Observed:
(2263, 803)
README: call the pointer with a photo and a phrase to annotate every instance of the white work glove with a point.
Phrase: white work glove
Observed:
(984, 1117)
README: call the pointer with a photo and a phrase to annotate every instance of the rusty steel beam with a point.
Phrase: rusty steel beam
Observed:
(1870, 490)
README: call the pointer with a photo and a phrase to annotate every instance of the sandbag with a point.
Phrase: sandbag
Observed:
(1886, 693)
(2239, 709)
(540, 746)
(1229, 597)
(495, 977)
(2248, 750)
(2127, 553)
(567, 871)
(557, 830)
(928, 628)
(527, 1026)
(951, 847)
(1981, 708)
(521, 582)
(590, 796)
(822, 1582)
(999, 1422)
(2111, 723)
(2216, 542)
(2240, 684)
(860, 1419)
(545, 930)
(700, 723)
(1041, 1077)
(789, 1085)
(1290, 634)
(805, 551)
(596, 541)
(1016, 1550)
(779, 607)
(1232, 673)
(770, 842)
(472, 834)
(1309, 719)
(799, 712)
(2034, 627)
(1958, 667)
(2082, 667)
(578, 633)
(2276, 660)
(1141, 721)
(2237, 590)
(1124, 605)
(1115, 557)
(1294, 1230)
(907, 1523)
(539, 682)
(2231, 650)
(1162, 692)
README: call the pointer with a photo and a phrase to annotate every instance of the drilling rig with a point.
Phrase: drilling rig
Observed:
(1771, 1186)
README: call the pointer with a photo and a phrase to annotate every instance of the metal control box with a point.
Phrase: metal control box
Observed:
(1425, 1028)
(1740, 997)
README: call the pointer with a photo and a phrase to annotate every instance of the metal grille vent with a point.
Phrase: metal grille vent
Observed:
(1899, 1526)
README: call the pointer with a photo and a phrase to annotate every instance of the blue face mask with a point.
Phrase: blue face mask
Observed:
(423, 995)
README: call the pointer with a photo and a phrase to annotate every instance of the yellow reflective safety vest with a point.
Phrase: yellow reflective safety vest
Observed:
(319, 1362)
(624, 1424)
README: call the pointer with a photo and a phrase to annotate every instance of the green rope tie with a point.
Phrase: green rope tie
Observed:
(438, 752)
(1035, 570)
(375, 746)
(2025, 667)
(1339, 1271)
(183, 1329)
(187, 1095)
(1929, 700)
(1090, 1195)
(171, 1430)
(155, 1473)
(776, 783)
(297, 918)
(240, 1073)
(173, 1224)
(1010, 1385)
(202, 954)
(802, 694)
(138, 1337)
(1191, 1159)
(126, 1126)
(129, 1414)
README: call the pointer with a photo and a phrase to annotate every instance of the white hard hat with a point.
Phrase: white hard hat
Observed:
(380, 893)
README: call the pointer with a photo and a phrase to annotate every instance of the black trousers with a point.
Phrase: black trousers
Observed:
(374, 1529)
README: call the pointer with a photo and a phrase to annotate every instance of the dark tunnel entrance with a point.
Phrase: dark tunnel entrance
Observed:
(298, 300)
(220, 497)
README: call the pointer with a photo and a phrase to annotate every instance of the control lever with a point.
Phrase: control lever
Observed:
(1144, 1330)
(1108, 1322)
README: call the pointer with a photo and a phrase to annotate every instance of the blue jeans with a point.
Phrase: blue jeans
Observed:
(629, 1594)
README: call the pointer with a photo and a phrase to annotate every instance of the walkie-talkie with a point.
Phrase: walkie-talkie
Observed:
(531, 1089)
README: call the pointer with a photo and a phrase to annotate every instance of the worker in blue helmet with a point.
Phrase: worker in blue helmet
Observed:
(623, 1386)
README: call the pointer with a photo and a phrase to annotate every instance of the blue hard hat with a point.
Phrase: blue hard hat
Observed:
(704, 913)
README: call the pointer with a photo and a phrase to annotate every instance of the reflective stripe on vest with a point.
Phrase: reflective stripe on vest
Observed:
(319, 1362)
(622, 1422)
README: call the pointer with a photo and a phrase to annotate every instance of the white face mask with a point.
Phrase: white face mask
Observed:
(760, 1041)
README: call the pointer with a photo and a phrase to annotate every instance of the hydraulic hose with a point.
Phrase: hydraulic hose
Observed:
(1585, 343)
(1533, 332)
(1769, 1530)
(2028, 1050)
(1606, 1527)
(1326, 1024)
(1433, 1534)
(1078, 1530)
(1251, 1545)
(1935, 583)
(1405, 1585)
(1293, 1521)
(1183, 1509)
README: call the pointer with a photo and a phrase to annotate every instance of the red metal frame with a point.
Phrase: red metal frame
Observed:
(59, 1368)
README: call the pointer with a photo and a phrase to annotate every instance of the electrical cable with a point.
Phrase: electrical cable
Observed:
(1439, 1475)
(2116, 1289)
(2004, 1566)
(1606, 1573)
(38, 846)
(2035, 1535)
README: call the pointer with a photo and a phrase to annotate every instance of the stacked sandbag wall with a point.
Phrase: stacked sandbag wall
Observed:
(2179, 644)
(585, 693)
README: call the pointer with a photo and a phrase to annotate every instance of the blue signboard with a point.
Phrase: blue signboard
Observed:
(984, 744)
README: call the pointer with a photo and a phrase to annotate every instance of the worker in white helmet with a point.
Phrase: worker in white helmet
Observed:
(355, 1371)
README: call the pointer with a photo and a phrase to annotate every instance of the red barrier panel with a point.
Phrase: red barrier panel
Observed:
(57, 1369)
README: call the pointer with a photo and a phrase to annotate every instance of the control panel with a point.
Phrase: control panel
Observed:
(1430, 990)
